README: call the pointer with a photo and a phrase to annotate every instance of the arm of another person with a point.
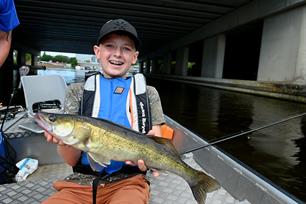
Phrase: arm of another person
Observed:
(70, 154)
(5, 45)
(8, 21)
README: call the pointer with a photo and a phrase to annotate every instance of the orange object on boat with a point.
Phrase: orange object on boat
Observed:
(167, 132)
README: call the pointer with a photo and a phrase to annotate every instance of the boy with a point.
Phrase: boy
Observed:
(8, 21)
(110, 95)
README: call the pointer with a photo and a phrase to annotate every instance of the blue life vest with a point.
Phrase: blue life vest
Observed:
(120, 100)
(8, 15)
(113, 100)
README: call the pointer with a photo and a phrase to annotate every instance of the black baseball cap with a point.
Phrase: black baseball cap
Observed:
(119, 26)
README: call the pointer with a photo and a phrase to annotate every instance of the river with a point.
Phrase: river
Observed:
(278, 152)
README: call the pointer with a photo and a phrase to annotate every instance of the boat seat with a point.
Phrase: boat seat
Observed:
(39, 89)
(45, 93)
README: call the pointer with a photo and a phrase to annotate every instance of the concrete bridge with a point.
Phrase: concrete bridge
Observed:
(249, 40)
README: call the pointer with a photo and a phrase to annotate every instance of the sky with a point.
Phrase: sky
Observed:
(59, 53)
(80, 57)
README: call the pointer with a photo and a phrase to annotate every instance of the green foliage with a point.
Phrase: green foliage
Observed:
(46, 57)
(28, 58)
(73, 61)
(59, 58)
(190, 65)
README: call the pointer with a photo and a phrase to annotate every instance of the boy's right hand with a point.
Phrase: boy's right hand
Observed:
(70, 154)
(52, 139)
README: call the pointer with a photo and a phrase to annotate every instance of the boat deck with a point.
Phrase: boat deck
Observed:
(240, 185)
(167, 188)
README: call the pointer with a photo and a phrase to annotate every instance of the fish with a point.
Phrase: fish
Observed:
(104, 140)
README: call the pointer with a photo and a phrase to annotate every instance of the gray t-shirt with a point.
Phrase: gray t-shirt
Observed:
(75, 94)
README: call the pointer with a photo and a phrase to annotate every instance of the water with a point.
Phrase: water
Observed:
(277, 152)
(70, 75)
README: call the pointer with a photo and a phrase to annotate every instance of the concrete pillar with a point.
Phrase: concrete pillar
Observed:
(166, 67)
(148, 66)
(300, 74)
(283, 49)
(35, 58)
(182, 61)
(154, 66)
(21, 60)
(213, 57)
(141, 66)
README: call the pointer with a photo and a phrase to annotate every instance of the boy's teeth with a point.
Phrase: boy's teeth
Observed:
(116, 63)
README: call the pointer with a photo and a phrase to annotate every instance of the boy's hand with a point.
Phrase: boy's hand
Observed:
(143, 167)
(155, 131)
(52, 139)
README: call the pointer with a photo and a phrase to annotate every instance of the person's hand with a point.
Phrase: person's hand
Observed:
(141, 165)
(155, 131)
(50, 138)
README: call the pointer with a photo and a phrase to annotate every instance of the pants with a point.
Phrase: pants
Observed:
(134, 190)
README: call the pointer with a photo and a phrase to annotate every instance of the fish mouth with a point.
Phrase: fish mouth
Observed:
(41, 122)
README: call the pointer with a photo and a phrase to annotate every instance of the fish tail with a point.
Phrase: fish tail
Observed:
(204, 184)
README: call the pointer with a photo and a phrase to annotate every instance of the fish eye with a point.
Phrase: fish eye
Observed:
(52, 117)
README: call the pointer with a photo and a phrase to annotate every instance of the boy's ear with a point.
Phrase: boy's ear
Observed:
(135, 57)
(96, 49)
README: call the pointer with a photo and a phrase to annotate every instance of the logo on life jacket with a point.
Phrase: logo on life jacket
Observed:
(144, 119)
(119, 90)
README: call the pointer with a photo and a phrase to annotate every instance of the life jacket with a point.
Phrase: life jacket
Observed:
(123, 101)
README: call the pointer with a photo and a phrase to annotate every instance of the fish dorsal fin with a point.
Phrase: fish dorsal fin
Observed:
(97, 162)
(165, 142)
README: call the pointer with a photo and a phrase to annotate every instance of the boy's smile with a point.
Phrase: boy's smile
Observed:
(116, 54)
(114, 62)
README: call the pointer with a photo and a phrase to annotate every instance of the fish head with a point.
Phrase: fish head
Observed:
(59, 125)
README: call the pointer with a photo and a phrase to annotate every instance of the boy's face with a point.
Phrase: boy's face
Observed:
(116, 54)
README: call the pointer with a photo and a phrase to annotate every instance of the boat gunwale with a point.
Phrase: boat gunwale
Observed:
(267, 187)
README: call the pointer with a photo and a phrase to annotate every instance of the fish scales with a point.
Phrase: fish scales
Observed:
(105, 141)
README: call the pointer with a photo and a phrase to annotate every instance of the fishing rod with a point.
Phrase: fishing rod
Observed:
(226, 138)
(23, 71)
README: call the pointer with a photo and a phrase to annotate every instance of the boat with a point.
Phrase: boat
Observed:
(240, 184)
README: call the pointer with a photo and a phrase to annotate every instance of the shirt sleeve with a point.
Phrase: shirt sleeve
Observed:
(73, 98)
(156, 107)
(8, 15)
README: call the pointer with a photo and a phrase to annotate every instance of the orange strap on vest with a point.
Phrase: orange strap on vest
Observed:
(167, 132)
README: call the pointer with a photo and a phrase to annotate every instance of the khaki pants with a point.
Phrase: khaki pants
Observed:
(134, 190)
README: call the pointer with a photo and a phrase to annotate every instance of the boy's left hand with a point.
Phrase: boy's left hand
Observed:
(143, 167)
(155, 131)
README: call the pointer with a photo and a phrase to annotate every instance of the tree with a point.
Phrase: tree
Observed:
(73, 61)
(60, 58)
(46, 57)
(28, 57)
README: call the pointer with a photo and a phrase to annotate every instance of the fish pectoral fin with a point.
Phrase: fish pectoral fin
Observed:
(95, 165)
(83, 131)
(100, 159)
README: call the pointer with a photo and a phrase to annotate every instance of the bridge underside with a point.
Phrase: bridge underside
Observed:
(251, 40)
(73, 25)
